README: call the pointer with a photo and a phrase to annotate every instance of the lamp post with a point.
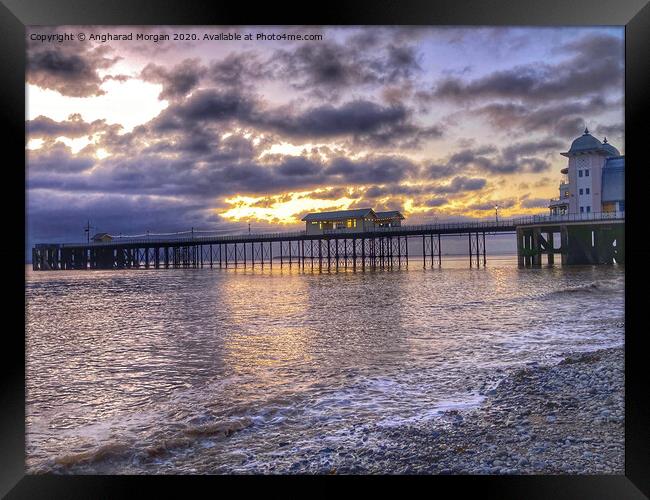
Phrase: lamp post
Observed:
(87, 229)
(496, 212)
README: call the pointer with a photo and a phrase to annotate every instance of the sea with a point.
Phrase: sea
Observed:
(236, 371)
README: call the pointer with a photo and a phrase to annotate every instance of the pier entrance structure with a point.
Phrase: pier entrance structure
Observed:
(594, 238)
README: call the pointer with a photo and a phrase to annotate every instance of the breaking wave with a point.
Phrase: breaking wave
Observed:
(587, 288)
(127, 451)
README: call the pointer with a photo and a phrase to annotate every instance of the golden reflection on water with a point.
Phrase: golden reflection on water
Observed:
(265, 298)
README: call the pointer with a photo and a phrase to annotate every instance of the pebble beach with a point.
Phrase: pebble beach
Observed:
(567, 418)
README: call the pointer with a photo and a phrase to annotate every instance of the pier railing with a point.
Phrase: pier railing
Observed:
(587, 216)
(492, 225)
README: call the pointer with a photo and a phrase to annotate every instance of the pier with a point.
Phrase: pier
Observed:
(579, 239)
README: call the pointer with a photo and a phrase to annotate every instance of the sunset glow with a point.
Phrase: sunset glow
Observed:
(281, 209)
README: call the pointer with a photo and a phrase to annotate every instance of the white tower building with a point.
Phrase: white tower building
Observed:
(581, 190)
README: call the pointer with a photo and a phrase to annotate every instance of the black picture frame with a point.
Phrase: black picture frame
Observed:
(633, 14)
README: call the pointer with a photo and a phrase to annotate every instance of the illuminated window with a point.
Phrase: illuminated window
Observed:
(351, 223)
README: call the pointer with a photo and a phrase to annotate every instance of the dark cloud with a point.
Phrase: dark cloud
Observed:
(569, 126)
(70, 69)
(205, 106)
(359, 117)
(560, 119)
(42, 126)
(402, 62)
(177, 81)
(477, 159)
(393, 190)
(240, 69)
(546, 146)
(436, 202)
(46, 128)
(365, 122)
(594, 66)
(371, 170)
(297, 166)
(437, 171)
(534, 165)
(397, 94)
(491, 204)
(330, 194)
(361, 121)
(325, 64)
(534, 203)
(460, 184)
(162, 171)
(235, 72)
(55, 161)
(488, 159)
(615, 130)
(359, 61)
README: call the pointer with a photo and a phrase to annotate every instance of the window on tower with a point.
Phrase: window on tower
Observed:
(579, 173)
(587, 173)
(587, 191)
(580, 191)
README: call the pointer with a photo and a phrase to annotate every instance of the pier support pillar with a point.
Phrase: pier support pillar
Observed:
(536, 247)
(564, 244)
(550, 248)
(520, 248)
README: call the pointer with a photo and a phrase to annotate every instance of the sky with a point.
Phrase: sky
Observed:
(441, 123)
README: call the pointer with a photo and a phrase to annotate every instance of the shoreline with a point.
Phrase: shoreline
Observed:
(565, 418)
(561, 418)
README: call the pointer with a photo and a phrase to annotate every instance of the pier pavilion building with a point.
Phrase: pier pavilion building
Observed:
(358, 220)
(389, 219)
(594, 179)
(102, 238)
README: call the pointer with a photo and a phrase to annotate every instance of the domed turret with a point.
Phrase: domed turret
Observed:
(586, 142)
(609, 149)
